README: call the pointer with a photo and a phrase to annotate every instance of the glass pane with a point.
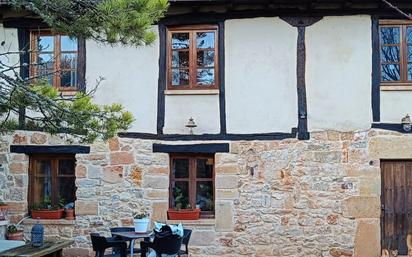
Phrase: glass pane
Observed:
(409, 53)
(204, 168)
(180, 59)
(66, 167)
(45, 43)
(67, 190)
(409, 71)
(205, 40)
(42, 189)
(409, 34)
(204, 195)
(68, 78)
(43, 168)
(390, 72)
(390, 35)
(206, 58)
(68, 44)
(181, 195)
(68, 61)
(180, 41)
(180, 168)
(390, 54)
(180, 77)
(46, 74)
(205, 77)
(45, 61)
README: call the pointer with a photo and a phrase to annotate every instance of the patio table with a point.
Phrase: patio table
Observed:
(49, 249)
(132, 236)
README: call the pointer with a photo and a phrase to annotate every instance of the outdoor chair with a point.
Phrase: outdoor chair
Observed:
(186, 238)
(101, 243)
(163, 243)
(124, 229)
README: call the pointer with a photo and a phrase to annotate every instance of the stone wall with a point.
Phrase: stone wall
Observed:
(273, 198)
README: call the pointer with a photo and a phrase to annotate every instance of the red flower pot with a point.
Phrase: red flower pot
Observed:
(15, 236)
(3, 211)
(69, 214)
(47, 214)
(184, 214)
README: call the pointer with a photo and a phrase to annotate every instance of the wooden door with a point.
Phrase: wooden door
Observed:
(396, 199)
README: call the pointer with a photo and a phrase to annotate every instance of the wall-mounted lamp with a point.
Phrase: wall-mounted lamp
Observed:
(191, 125)
(406, 123)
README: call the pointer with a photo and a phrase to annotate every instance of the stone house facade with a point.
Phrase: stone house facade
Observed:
(298, 126)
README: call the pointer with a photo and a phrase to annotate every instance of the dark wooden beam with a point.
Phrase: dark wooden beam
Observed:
(195, 148)
(161, 79)
(52, 149)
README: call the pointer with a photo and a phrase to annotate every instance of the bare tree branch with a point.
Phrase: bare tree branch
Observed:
(409, 16)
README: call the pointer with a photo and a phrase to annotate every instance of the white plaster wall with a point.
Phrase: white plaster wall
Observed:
(338, 73)
(131, 78)
(260, 72)
(204, 109)
(11, 44)
(395, 105)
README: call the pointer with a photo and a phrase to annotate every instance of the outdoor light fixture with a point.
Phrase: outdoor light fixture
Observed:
(191, 125)
(406, 123)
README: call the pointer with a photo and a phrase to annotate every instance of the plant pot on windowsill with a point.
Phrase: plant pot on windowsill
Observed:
(13, 233)
(183, 214)
(47, 214)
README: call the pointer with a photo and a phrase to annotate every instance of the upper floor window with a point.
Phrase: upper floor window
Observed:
(54, 57)
(192, 57)
(396, 53)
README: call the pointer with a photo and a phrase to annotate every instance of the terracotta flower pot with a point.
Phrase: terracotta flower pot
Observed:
(47, 214)
(184, 214)
(69, 214)
(4, 209)
(15, 236)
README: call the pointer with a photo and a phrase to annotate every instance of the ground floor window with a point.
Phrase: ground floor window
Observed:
(192, 183)
(52, 180)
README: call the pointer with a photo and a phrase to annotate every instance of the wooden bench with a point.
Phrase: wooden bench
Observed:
(49, 249)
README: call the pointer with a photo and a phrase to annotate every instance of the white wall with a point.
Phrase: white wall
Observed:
(11, 44)
(131, 78)
(338, 73)
(260, 57)
(204, 109)
(395, 105)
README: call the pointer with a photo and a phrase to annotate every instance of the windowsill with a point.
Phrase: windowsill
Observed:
(49, 222)
(396, 87)
(192, 92)
(68, 93)
(199, 222)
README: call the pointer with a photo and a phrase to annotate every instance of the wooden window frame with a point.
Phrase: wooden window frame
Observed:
(54, 162)
(193, 180)
(192, 30)
(403, 83)
(57, 58)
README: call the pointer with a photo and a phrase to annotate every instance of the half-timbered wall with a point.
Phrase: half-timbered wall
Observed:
(395, 105)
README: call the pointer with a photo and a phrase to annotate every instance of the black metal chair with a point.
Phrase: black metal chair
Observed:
(124, 229)
(101, 243)
(186, 238)
(164, 243)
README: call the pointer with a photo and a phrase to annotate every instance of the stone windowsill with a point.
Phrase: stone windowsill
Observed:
(192, 92)
(4, 222)
(199, 222)
(49, 222)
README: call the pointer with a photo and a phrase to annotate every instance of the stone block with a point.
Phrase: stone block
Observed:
(156, 182)
(17, 207)
(159, 170)
(113, 174)
(367, 238)
(159, 211)
(224, 216)
(399, 147)
(80, 171)
(203, 238)
(114, 144)
(227, 169)
(38, 138)
(19, 139)
(86, 208)
(77, 252)
(157, 194)
(121, 158)
(362, 207)
(94, 172)
(370, 186)
(227, 182)
(222, 194)
(17, 167)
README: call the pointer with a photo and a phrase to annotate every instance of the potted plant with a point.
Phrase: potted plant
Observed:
(69, 210)
(182, 210)
(46, 210)
(13, 233)
(141, 222)
(4, 208)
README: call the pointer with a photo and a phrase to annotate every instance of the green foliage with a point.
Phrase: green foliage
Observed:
(47, 204)
(141, 215)
(181, 201)
(107, 21)
(2, 203)
(11, 229)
